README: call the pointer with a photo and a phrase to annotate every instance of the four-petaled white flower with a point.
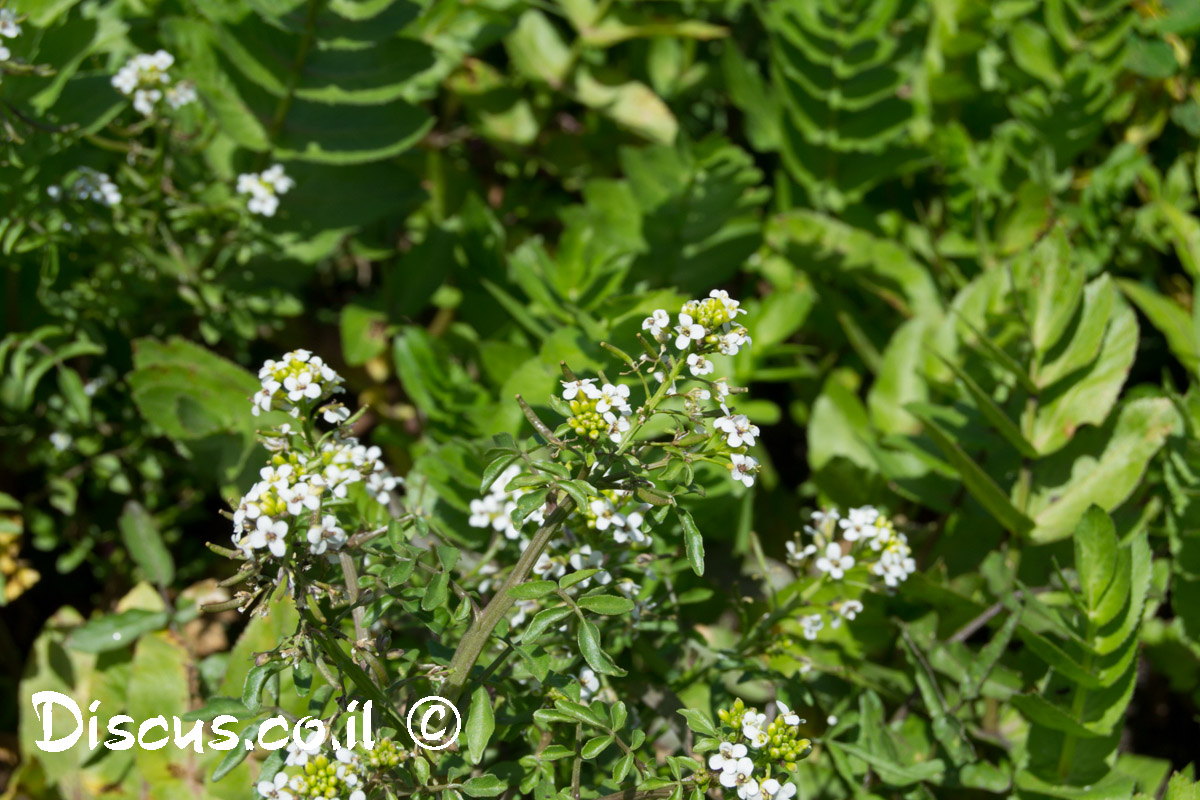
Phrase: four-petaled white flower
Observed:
(860, 524)
(571, 389)
(727, 753)
(275, 789)
(812, 625)
(656, 323)
(744, 468)
(325, 536)
(270, 534)
(739, 775)
(613, 397)
(589, 684)
(774, 790)
(688, 332)
(738, 428)
(144, 78)
(617, 426)
(847, 610)
(789, 717)
(9, 29)
(698, 365)
(834, 563)
(606, 514)
(754, 729)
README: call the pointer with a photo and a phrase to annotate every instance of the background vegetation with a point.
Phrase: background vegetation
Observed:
(966, 233)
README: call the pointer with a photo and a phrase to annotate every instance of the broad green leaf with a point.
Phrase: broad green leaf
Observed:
(1084, 337)
(140, 534)
(114, 631)
(480, 724)
(1095, 542)
(532, 589)
(1101, 467)
(693, 540)
(1088, 399)
(593, 653)
(537, 50)
(484, 786)
(608, 604)
(595, 746)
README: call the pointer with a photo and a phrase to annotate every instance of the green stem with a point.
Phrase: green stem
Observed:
(1078, 704)
(477, 635)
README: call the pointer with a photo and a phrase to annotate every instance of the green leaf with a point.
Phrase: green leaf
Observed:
(436, 592)
(480, 724)
(528, 503)
(256, 679)
(114, 631)
(493, 470)
(589, 645)
(537, 51)
(891, 772)
(595, 746)
(692, 540)
(1095, 542)
(145, 544)
(1101, 467)
(484, 786)
(698, 721)
(531, 590)
(978, 482)
(1085, 337)
(606, 604)
(542, 620)
(992, 412)
(1170, 319)
(1089, 398)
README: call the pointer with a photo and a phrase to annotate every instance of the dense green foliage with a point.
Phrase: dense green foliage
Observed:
(967, 238)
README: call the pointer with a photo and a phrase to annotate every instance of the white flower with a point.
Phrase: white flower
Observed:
(739, 430)
(850, 609)
(60, 441)
(606, 514)
(275, 789)
(733, 341)
(589, 684)
(335, 414)
(812, 625)
(831, 720)
(571, 389)
(688, 332)
(325, 536)
(846, 610)
(549, 568)
(744, 468)
(727, 753)
(617, 426)
(278, 474)
(264, 189)
(789, 717)
(145, 76)
(611, 397)
(181, 94)
(860, 524)
(698, 365)
(731, 305)
(773, 790)
(270, 534)
(754, 729)
(657, 322)
(834, 563)
(796, 554)
(738, 774)
(9, 28)
(97, 187)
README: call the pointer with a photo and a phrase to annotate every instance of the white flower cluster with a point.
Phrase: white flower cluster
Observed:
(264, 188)
(768, 743)
(318, 776)
(298, 379)
(95, 186)
(9, 29)
(495, 510)
(868, 539)
(291, 493)
(145, 78)
(703, 326)
(597, 410)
